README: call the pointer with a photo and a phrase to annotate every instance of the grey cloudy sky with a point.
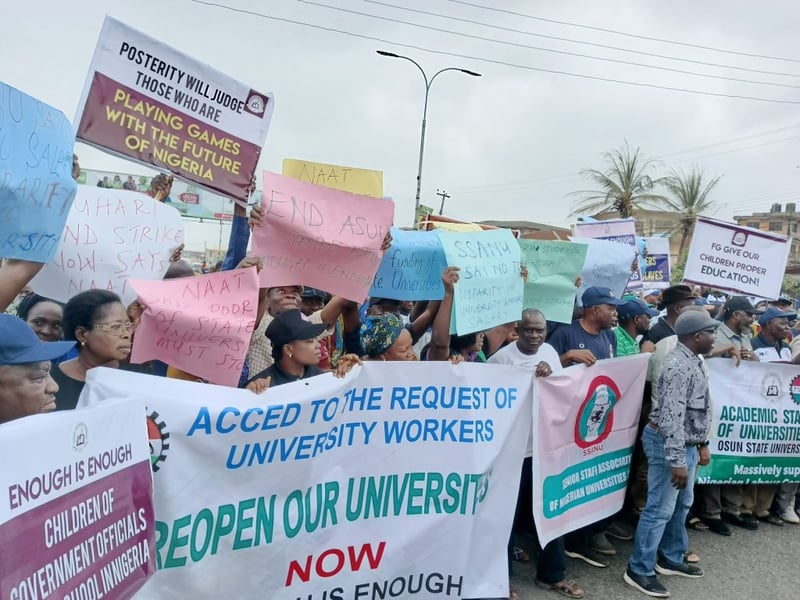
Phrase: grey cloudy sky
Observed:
(507, 145)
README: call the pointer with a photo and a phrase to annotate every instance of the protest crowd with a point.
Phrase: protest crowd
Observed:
(291, 332)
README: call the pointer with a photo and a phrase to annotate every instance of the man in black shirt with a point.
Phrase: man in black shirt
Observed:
(674, 299)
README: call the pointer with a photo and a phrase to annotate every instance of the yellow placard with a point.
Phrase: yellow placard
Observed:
(347, 179)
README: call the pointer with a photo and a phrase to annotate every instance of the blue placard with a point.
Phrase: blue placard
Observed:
(411, 268)
(36, 185)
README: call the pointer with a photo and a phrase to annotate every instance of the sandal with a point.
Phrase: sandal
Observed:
(691, 557)
(696, 524)
(513, 594)
(565, 587)
(520, 555)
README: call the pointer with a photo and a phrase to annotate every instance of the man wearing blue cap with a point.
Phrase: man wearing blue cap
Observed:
(26, 387)
(634, 321)
(587, 340)
(590, 338)
(770, 345)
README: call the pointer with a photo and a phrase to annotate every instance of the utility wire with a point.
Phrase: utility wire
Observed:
(593, 44)
(566, 177)
(626, 34)
(493, 61)
(542, 49)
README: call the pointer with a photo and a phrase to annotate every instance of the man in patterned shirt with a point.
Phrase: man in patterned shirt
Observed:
(675, 441)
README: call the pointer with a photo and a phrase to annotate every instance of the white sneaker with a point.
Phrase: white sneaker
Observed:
(789, 516)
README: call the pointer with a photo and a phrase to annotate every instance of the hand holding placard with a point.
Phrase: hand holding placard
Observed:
(201, 325)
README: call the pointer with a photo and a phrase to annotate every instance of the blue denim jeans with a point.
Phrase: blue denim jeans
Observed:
(662, 526)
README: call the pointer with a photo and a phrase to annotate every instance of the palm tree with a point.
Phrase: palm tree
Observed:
(689, 198)
(623, 186)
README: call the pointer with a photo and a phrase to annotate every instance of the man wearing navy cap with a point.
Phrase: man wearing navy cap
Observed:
(770, 345)
(634, 321)
(587, 340)
(26, 387)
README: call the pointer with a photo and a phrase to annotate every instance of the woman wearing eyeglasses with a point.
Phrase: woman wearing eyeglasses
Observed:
(98, 322)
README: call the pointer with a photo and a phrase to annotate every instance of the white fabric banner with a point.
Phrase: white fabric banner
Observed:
(585, 428)
(738, 259)
(350, 487)
(756, 423)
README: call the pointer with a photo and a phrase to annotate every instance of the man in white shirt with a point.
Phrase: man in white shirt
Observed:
(530, 350)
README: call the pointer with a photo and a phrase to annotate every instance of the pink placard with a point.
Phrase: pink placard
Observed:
(201, 325)
(320, 237)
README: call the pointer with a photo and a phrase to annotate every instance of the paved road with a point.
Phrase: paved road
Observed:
(749, 565)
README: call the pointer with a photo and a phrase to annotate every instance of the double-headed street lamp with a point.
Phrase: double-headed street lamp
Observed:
(428, 83)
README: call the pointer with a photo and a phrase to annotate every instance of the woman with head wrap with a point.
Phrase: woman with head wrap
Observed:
(383, 337)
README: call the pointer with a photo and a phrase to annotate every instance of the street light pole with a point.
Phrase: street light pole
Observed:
(428, 84)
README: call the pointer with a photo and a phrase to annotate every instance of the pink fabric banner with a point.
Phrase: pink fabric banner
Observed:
(320, 237)
(585, 422)
(201, 325)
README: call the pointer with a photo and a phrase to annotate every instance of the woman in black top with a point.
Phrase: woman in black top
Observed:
(295, 350)
(97, 320)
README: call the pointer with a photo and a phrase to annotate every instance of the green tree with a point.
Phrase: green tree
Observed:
(621, 187)
(790, 286)
(688, 196)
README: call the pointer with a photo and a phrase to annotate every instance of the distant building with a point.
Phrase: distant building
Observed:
(528, 230)
(777, 220)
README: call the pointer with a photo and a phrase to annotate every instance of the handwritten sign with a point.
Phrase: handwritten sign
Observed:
(553, 268)
(323, 238)
(412, 268)
(150, 103)
(110, 236)
(654, 262)
(607, 264)
(36, 185)
(622, 231)
(346, 179)
(738, 259)
(490, 288)
(201, 325)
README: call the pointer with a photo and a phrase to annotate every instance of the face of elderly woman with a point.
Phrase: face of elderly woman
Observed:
(401, 349)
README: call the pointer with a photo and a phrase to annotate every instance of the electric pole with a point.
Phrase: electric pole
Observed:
(444, 196)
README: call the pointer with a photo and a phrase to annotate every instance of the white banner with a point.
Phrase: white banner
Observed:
(585, 427)
(110, 236)
(331, 488)
(738, 259)
(756, 423)
(76, 519)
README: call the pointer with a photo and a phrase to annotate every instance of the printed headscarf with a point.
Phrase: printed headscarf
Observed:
(378, 333)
